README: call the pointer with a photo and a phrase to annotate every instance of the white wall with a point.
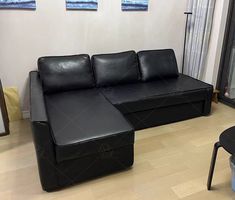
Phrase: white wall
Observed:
(51, 30)
(216, 41)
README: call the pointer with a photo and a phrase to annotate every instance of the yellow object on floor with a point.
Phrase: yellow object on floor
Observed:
(13, 103)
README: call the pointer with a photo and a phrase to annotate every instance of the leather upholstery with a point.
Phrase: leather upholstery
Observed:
(95, 165)
(84, 122)
(117, 68)
(78, 131)
(62, 73)
(43, 142)
(155, 94)
(164, 115)
(53, 174)
(38, 110)
(157, 64)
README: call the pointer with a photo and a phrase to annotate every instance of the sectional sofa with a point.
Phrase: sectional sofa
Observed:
(84, 111)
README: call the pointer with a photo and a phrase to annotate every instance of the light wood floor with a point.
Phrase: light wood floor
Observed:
(171, 162)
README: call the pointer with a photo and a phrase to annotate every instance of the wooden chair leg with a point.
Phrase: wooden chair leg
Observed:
(212, 167)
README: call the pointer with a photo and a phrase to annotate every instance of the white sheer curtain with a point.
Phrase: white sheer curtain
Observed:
(198, 36)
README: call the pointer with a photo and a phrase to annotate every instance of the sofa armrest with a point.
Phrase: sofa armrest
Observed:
(37, 104)
(42, 137)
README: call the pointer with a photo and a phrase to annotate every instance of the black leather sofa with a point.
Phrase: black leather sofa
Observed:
(84, 111)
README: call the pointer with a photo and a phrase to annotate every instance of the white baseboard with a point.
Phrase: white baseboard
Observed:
(26, 114)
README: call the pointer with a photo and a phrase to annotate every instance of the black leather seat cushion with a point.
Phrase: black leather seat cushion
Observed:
(63, 73)
(84, 122)
(157, 64)
(148, 95)
(117, 68)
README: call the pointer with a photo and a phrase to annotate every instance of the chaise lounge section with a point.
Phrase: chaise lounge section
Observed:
(84, 111)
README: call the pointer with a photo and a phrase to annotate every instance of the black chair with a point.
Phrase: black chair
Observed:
(227, 141)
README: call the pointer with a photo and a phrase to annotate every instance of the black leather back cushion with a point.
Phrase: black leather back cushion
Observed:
(157, 64)
(62, 73)
(117, 68)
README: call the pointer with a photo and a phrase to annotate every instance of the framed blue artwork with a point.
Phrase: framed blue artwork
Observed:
(135, 5)
(18, 4)
(81, 4)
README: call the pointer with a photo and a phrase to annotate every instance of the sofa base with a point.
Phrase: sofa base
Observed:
(85, 168)
(160, 116)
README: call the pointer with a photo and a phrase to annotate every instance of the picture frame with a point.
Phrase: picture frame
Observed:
(3, 113)
(18, 4)
(135, 5)
(82, 5)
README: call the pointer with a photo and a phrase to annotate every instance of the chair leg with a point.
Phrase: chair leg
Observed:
(217, 145)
